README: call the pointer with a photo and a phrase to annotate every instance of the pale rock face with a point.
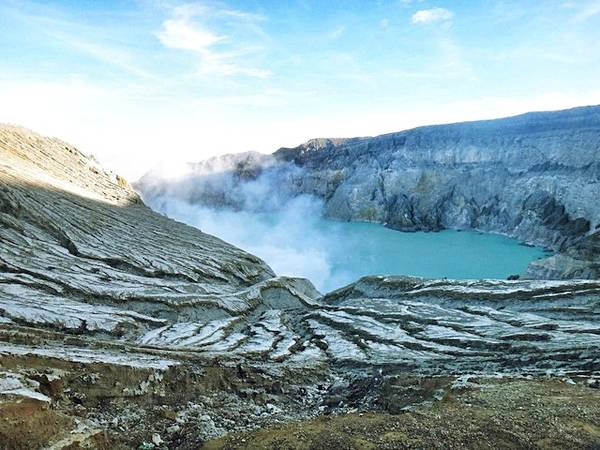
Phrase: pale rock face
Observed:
(534, 177)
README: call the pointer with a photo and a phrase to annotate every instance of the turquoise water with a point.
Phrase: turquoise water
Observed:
(372, 249)
(297, 241)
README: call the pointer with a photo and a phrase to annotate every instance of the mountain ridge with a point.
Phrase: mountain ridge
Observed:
(534, 177)
(517, 118)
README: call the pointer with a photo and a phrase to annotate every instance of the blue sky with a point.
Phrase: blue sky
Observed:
(146, 82)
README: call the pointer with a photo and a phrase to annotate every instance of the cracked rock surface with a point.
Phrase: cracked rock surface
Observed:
(121, 328)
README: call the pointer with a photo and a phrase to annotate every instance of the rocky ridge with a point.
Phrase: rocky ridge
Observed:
(121, 328)
(534, 177)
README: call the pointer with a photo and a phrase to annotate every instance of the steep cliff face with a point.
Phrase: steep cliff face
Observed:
(535, 177)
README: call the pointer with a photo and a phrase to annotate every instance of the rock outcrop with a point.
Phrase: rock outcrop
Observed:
(534, 177)
(581, 260)
(121, 328)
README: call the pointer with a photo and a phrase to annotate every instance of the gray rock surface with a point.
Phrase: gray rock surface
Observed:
(71, 230)
(581, 260)
(80, 254)
(128, 323)
(534, 177)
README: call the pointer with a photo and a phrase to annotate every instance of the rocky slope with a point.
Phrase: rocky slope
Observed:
(580, 260)
(489, 414)
(535, 177)
(120, 328)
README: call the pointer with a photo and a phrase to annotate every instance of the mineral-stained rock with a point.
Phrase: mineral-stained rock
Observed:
(118, 324)
(535, 177)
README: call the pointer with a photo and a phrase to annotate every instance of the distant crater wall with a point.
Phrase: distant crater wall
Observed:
(535, 177)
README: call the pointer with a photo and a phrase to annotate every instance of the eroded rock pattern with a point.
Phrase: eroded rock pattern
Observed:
(119, 326)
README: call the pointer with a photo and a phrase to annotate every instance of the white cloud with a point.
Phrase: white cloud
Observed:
(218, 53)
(179, 33)
(591, 9)
(432, 15)
(337, 32)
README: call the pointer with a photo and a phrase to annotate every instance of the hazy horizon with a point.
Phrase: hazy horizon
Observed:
(144, 83)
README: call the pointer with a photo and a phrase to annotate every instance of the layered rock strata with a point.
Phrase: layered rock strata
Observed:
(121, 328)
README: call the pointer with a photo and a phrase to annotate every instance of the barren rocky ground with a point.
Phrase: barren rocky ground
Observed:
(478, 414)
(121, 328)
